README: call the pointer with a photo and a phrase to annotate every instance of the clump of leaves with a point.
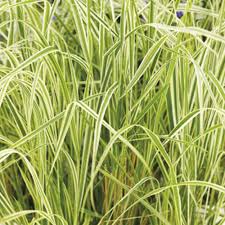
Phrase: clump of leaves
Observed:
(112, 112)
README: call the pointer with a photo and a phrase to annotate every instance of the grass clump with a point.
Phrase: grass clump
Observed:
(112, 112)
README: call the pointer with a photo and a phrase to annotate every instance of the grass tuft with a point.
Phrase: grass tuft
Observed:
(112, 112)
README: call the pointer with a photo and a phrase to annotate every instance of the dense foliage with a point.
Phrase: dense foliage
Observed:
(112, 112)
